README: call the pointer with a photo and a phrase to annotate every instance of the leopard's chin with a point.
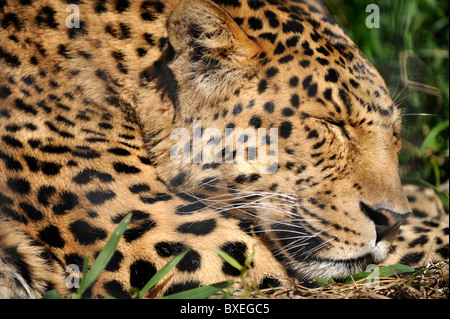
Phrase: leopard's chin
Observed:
(341, 268)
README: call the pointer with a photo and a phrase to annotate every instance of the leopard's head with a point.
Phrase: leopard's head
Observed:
(316, 134)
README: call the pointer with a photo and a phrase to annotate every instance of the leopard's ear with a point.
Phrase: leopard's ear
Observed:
(212, 53)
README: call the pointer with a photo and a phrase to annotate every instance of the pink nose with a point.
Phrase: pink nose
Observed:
(385, 220)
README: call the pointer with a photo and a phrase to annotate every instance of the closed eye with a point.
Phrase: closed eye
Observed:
(341, 126)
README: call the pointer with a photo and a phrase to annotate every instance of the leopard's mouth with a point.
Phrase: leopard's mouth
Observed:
(326, 268)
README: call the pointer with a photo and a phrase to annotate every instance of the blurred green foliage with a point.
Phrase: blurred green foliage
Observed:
(411, 50)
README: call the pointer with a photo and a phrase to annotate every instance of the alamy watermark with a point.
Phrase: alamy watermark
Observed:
(373, 19)
(74, 276)
(73, 19)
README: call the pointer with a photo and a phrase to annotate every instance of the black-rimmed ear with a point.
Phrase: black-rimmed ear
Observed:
(212, 53)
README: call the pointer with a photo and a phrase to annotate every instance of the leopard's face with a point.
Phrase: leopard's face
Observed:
(327, 191)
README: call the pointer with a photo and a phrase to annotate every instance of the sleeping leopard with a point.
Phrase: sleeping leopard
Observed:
(112, 107)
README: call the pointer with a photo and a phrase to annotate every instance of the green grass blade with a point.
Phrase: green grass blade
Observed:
(321, 281)
(161, 273)
(52, 294)
(249, 259)
(431, 137)
(233, 262)
(384, 271)
(201, 292)
(104, 257)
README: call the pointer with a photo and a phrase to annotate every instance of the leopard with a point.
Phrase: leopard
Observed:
(116, 108)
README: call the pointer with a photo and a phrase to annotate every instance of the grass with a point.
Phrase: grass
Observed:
(411, 51)
(395, 281)
(429, 282)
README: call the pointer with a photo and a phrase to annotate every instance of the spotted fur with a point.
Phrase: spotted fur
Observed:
(86, 117)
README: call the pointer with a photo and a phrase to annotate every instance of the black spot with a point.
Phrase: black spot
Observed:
(119, 151)
(238, 109)
(137, 232)
(190, 208)
(295, 100)
(293, 82)
(422, 240)
(332, 76)
(4, 92)
(268, 36)
(418, 213)
(151, 10)
(292, 42)
(136, 215)
(285, 129)
(176, 288)
(54, 149)
(322, 61)
(11, 141)
(241, 179)
(85, 233)
(279, 49)
(139, 188)
(114, 262)
(273, 21)
(262, 86)
(98, 197)
(5, 200)
(9, 58)
(168, 249)
(31, 212)
(125, 169)
(287, 111)
(100, 6)
(178, 180)
(46, 18)
(312, 90)
(313, 134)
(67, 202)
(11, 18)
(411, 259)
(269, 107)
(286, 59)
(319, 144)
(255, 23)
(237, 250)
(19, 185)
(74, 259)
(190, 262)
(122, 5)
(255, 121)
(305, 63)
(44, 193)
(11, 163)
(255, 4)
(158, 198)
(78, 32)
(115, 289)
(323, 51)
(19, 104)
(198, 228)
(292, 26)
(87, 175)
(141, 271)
(62, 50)
(271, 72)
(49, 168)
(51, 236)
(11, 213)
